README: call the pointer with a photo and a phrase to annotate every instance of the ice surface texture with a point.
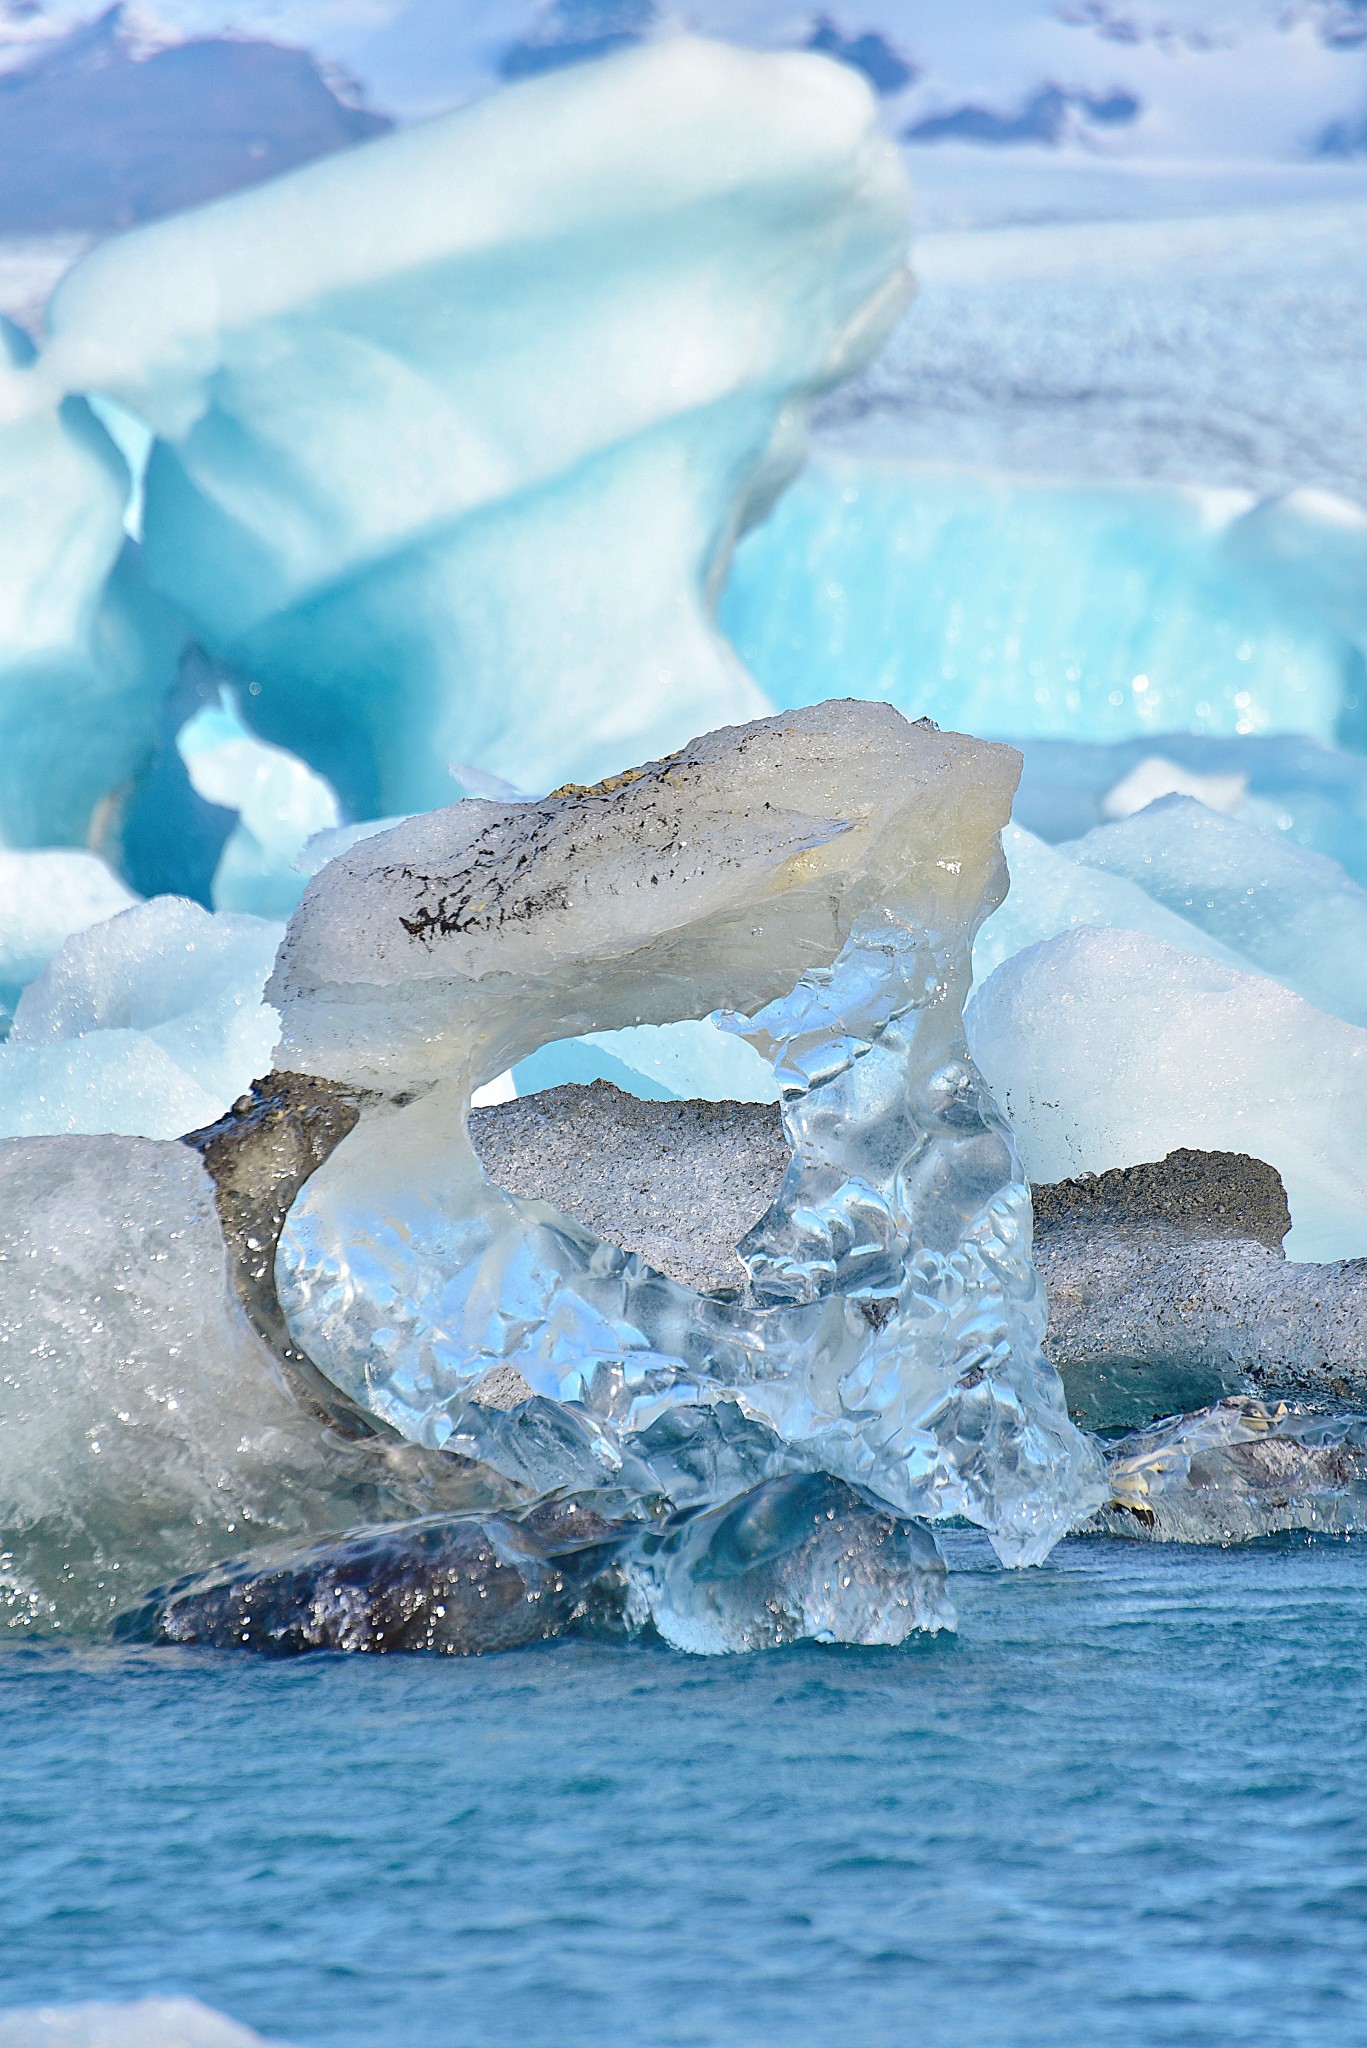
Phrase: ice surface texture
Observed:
(890, 1327)
(149, 1023)
(86, 656)
(1237, 1471)
(144, 1428)
(456, 432)
(44, 898)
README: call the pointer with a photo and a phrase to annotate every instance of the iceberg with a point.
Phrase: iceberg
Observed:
(1313, 795)
(1053, 889)
(890, 1323)
(1238, 1471)
(455, 433)
(1086, 612)
(1109, 1047)
(281, 807)
(150, 1024)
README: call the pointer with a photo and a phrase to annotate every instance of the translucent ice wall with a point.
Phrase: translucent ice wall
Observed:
(824, 871)
(455, 432)
(1087, 612)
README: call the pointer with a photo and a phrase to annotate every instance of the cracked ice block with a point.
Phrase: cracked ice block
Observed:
(143, 1429)
(800, 1557)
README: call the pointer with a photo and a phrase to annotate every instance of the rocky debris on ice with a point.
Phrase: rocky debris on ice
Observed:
(258, 1157)
(459, 1585)
(1237, 1471)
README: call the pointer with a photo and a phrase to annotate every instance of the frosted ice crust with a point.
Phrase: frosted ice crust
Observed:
(824, 871)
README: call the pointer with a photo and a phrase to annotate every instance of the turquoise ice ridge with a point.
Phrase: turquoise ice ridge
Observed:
(889, 1330)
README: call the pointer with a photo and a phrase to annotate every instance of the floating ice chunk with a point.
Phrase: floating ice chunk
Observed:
(1020, 607)
(1109, 1047)
(44, 898)
(1053, 891)
(892, 1322)
(190, 981)
(1238, 1471)
(141, 2023)
(800, 1557)
(456, 431)
(142, 1427)
(1156, 776)
(281, 806)
(1288, 911)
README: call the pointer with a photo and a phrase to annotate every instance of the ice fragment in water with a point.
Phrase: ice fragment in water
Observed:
(804, 1556)
(890, 1330)
(141, 2023)
(1237, 1471)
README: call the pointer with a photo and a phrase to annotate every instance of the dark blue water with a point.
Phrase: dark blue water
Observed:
(1127, 1804)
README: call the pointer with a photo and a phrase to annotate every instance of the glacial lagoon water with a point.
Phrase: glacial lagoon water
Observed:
(1127, 1803)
